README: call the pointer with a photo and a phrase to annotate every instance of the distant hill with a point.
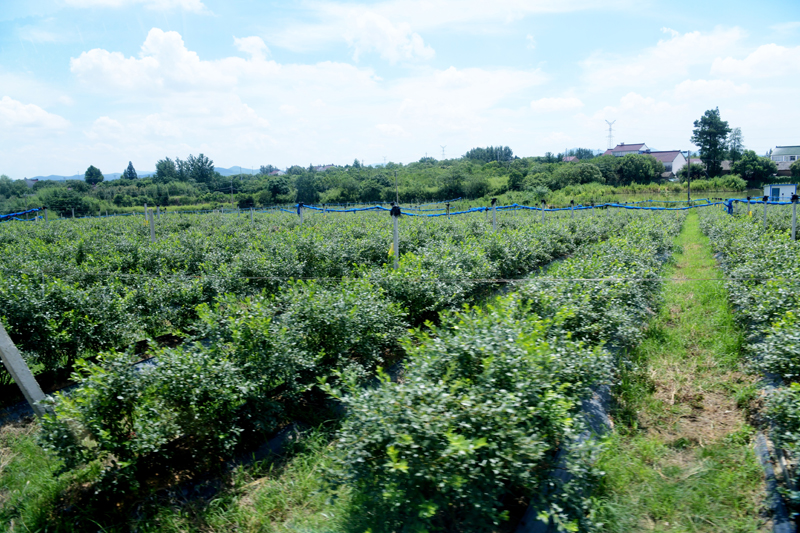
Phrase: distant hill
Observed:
(115, 175)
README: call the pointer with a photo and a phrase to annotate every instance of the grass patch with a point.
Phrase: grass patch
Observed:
(681, 458)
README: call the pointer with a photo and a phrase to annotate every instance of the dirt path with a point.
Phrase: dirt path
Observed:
(682, 457)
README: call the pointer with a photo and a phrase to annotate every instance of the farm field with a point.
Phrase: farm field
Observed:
(439, 396)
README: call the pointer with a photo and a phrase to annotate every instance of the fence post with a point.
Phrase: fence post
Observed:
(572, 209)
(152, 225)
(22, 375)
(158, 212)
(543, 207)
(766, 198)
(794, 217)
(251, 215)
(73, 212)
(494, 214)
(45, 215)
(395, 212)
(300, 211)
(447, 207)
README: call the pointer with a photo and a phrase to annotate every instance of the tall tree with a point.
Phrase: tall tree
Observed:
(709, 135)
(166, 171)
(93, 176)
(201, 168)
(735, 145)
(130, 172)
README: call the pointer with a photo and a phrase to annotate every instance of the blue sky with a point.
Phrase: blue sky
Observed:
(248, 83)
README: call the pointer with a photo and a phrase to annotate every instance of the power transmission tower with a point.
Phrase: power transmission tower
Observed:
(610, 134)
(443, 147)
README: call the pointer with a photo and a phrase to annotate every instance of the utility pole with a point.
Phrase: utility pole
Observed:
(240, 169)
(396, 190)
(443, 147)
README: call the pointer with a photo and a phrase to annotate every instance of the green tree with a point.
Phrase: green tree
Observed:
(754, 168)
(639, 168)
(166, 171)
(696, 170)
(515, 180)
(93, 176)
(201, 168)
(490, 153)
(307, 191)
(130, 172)
(709, 135)
(735, 145)
(795, 168)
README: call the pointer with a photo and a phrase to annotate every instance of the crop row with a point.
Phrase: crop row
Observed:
(764, 286)
(71, 289)
(253, 362)
(491, 395)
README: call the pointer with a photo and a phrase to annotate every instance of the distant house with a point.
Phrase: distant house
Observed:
(672, 160)
(277, 173)
(622, 149)
(784, 168)
(785, 154)
(570, 159)
(31, 183)
(323, 168)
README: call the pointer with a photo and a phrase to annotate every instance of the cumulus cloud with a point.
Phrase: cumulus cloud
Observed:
(556, 104)
(16, 115)
(196, 6)
(668, 58)
(252, 45)
(766, 61)
(368, 31)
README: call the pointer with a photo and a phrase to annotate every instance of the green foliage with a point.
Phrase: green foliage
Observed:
(490, 153)
(709, 134)
(93, 176)
(695, 170)
(638, 168)
(795, 168)
(735, 144)
(754, 168)
(485, 401)
(129, 173)
(122, 415)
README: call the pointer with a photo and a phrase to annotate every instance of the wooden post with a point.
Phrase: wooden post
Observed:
(794, 217)
(572, 209)
(395, 212)
(152, 225)
(158, 212)
(251, 215)
(45, 215)
(494, 214)
(73, 212)
(543, 206)
(300, 211)
(22, 375)
(145, 211)
(766, 198)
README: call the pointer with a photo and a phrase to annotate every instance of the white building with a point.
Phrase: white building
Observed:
(780, 193)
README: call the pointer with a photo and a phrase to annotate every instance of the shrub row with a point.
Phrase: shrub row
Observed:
(764, 267)
(71, 289)
(490, 396)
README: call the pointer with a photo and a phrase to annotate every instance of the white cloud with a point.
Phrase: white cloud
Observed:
(35, 34)
(690, 89)
(663, 62)
(556, 104)
(252, 45)
(392, 130)
(766, 61)
(531, 42)
(15, 115)
(786, 27)
(393, 28)
(368, 31)
(105, 129)
(196, 6)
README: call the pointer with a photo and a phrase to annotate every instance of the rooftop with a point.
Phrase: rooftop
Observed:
(786, 150)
